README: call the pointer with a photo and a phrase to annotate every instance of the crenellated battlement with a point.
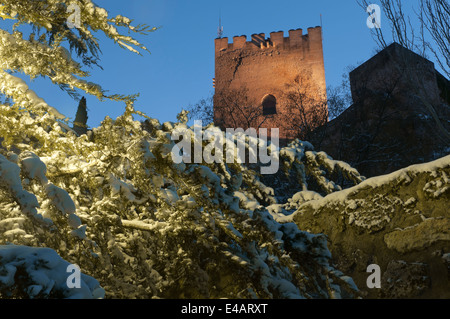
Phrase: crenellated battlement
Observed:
(295, 40)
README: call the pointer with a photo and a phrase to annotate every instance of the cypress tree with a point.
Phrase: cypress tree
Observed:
(80, 123)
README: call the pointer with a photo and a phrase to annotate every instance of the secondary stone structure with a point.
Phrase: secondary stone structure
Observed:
(400, 115)
(251, 77)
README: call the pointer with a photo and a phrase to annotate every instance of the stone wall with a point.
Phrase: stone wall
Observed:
(398, 221)
(399, 116)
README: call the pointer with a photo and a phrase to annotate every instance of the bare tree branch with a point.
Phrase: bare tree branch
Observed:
(306, 111)
(434, 33)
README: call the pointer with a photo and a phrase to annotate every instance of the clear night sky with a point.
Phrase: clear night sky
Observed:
(180, 68)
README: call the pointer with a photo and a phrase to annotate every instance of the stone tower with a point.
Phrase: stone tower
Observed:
(260, 69)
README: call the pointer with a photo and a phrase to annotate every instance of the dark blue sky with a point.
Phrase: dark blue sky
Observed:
(180, 68)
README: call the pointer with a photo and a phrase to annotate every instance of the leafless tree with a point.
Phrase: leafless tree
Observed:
(432, 36)
(233, 109)
(300, 108)
(236, 110)
(339, 97)
(436, 18)
(306, 106)
(202, 110)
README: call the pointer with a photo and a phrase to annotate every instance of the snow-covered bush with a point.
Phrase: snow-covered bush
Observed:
(115, 203)
(27, 272)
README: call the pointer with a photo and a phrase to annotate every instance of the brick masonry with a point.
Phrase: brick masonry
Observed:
(264, 66)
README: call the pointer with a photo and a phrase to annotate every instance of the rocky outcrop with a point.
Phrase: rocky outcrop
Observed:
(399, 221)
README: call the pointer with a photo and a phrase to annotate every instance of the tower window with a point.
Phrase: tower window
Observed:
(269, 104)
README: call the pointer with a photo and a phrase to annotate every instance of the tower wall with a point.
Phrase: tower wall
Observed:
(264, 66)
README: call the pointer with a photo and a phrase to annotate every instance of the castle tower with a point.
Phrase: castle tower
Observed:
(254, 75)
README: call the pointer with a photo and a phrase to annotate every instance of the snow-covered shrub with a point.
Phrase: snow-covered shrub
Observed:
(27, 272)
(115, 203)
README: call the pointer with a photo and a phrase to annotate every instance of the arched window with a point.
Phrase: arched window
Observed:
(269, 104)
